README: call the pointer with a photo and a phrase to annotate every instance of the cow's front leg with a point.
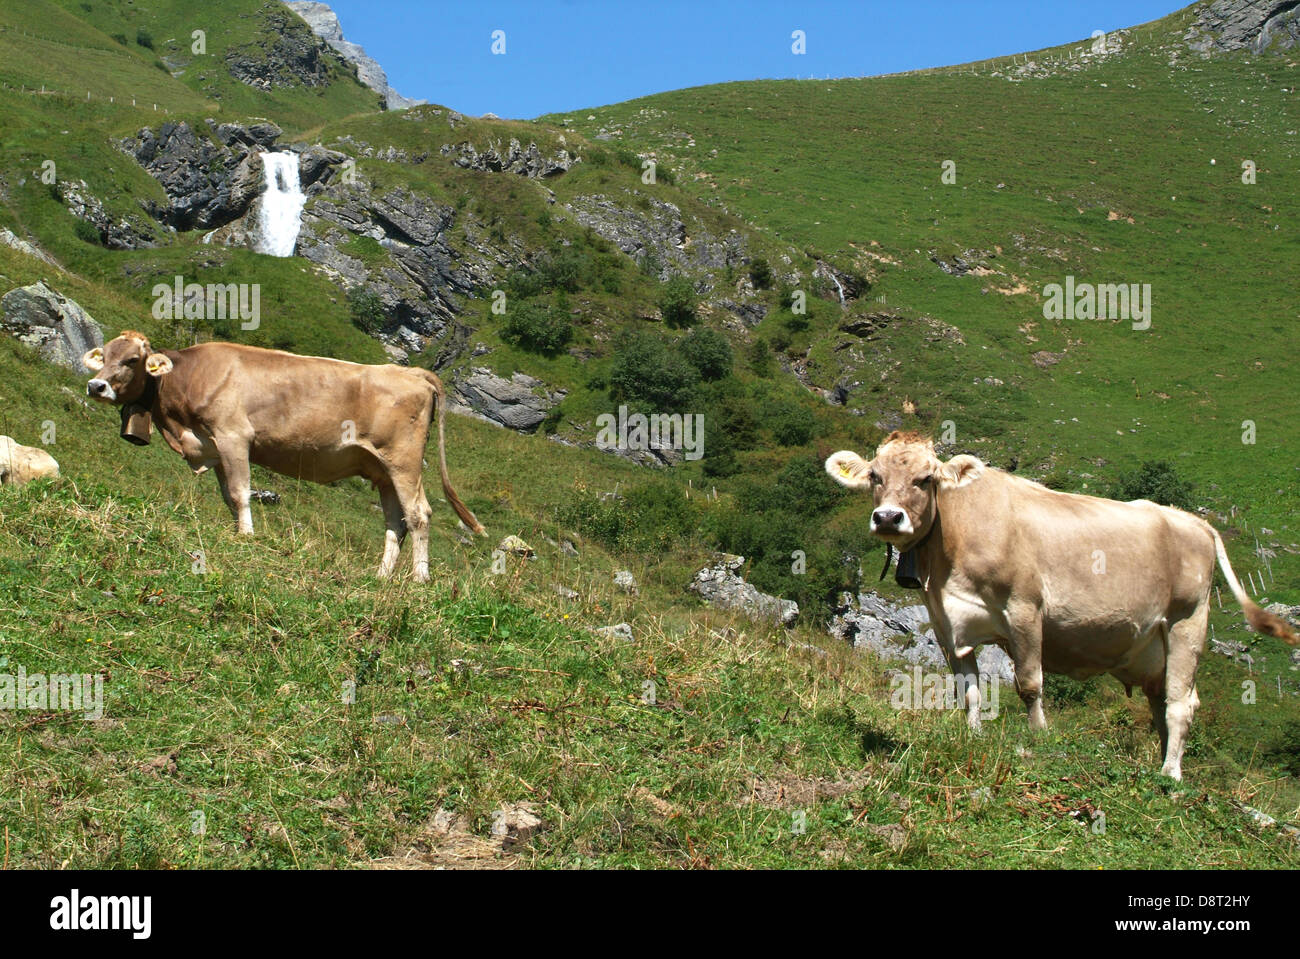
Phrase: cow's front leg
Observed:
(952, 635)
(236, 482)
(1025, 644)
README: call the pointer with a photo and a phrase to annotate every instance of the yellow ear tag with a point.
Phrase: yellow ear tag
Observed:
(844, 469)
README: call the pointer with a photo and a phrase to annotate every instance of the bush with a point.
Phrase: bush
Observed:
(647, 518)
(86, 232)
(144, 38)
(760, 358)
(367, 310)
(677, 302)
(537, 328)
(120, 38)
(760, 273)
(648, 372)
(1157, 481)
(709, 352)
(791, 425)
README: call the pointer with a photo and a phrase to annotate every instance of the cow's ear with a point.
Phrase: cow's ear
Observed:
(960, 471)
(93, 360)
(158, 364)
(849, 469)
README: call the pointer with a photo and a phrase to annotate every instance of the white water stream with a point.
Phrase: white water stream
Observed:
(280, 216)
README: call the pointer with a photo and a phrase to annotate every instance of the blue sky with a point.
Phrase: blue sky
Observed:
(563, 55)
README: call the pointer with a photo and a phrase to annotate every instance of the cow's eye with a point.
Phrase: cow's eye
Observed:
(875, 478)
(131, 361)
(924, 482)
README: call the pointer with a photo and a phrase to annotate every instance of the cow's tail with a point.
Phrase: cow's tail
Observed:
(1260, 620)
(440, 413)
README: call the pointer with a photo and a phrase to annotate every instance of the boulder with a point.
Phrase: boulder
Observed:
(903, 633)
(721, 585)
(519, 403)
(623, 580)
(58, 327)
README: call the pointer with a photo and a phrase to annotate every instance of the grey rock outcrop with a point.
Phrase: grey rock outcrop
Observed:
(719, 585)
(284, 53)
(7, 238)
(519, 403)
(115, 232)
(645, 226)
(903, 633)
(419, 283)
(55, 325)
(1257, 25)
(514, 158)
(324, 22)
(210, 177)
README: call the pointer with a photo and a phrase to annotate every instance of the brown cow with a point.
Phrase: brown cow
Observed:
(1064, 583)
(223, 406)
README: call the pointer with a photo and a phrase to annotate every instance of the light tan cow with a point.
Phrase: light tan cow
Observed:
(22, 464)
(1064, 583)
(223, 406)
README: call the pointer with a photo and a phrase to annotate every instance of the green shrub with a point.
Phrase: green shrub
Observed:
(367, 310)
(677, 302)
(1157, 481)
(791, 424)
(144, 38)
(537, 328)
(760, 273)
(760, 358)
(650, 517)
(86, 231)
(709, 352)
(648, 372)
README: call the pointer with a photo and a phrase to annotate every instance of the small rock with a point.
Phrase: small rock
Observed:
(515, 545)
(624, 581)
(565, 593)
(619, 631)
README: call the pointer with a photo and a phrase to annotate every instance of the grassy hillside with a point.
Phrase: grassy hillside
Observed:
(760, 747)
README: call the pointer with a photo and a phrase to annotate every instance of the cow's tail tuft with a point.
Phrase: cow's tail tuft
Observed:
(1260, 620)
(440, 413)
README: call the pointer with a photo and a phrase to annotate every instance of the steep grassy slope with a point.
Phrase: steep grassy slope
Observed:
(1125, 168)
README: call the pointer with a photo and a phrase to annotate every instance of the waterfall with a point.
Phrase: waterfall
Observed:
(280, 216)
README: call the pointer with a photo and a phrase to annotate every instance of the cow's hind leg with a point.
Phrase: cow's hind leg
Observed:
(1186, 640)
(394, 527)
(416, 511)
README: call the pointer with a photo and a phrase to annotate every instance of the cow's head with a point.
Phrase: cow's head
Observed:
(123, 367)
(905, 479)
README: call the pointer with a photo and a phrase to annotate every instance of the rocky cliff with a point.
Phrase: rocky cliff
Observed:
(1256, 25)
(324, 22)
